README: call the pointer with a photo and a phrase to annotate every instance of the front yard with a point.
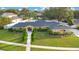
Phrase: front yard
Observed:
(7, 47)
(6, 35)
(42, 38)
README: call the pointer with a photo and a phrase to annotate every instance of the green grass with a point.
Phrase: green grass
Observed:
(7, 47)
(42, 38)
(40, 49)
(10, 36)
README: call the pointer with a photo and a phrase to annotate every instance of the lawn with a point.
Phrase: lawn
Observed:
(42, 38)
(40, 49)
(7, 47)
(11, 36)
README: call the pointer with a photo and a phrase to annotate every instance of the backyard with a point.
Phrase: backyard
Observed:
(44, 39)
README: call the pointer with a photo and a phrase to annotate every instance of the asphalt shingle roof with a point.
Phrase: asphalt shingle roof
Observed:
(41, 23)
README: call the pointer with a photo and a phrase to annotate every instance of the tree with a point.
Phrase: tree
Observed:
(70, 20)
(32, 36)
(24, 13)
(4, 21)
(59, 13)
(2, 11)
(76, 14)
(33, 14)
(12, 11)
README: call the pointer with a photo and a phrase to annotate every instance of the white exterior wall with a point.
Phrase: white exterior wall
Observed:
(57, 30)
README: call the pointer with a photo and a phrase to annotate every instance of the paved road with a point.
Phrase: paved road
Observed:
(29, 40)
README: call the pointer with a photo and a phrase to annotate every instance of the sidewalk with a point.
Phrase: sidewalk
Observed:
(43, 47)
(29, 40)
(56, 48)
(12, 43)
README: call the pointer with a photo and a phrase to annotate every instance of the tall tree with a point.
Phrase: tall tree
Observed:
(4, 21)
(59, 13)
(76, 14)
(12, 11)
(24, 13)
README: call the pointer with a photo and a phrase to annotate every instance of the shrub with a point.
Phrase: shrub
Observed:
(56, 33)
(77, 27)
(70, 21)
(50, 32)
(41, 29)
(32, 35)
(1, 28)
(10, 29)
(24, 36)
(16, 30)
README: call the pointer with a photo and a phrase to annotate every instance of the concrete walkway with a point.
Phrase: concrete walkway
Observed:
(56, 48)
(29, 40)
(12, 43)
(38, 46)
(76, 32)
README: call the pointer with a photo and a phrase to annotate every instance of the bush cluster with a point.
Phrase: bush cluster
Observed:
(78, 27)
(16, 30)
(41, 29)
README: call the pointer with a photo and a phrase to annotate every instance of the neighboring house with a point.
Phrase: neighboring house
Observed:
(13, 16)
(16, 19)
(53, 25)
(8, 14)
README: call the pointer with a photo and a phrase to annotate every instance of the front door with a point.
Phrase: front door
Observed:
(29, 28)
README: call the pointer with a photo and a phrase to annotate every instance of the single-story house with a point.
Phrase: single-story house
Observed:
(53, 25)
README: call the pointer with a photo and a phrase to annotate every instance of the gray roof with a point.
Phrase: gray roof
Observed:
(41, 23)
(7, 14)
(59, 27)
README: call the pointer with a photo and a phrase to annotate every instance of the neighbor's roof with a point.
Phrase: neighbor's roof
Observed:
(15, 17)
(8, 14)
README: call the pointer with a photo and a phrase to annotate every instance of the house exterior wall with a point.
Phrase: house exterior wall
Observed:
(61, 30)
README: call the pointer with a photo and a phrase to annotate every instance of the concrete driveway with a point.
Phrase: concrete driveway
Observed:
(76, 32)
